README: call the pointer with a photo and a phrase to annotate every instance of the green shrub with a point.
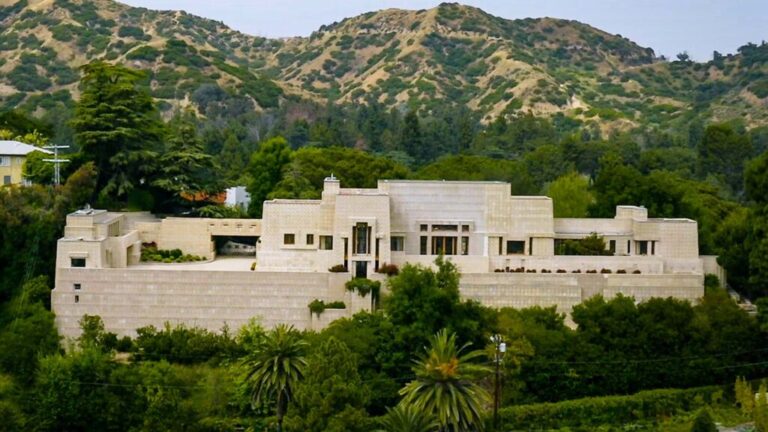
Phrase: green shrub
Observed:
(363, 286)
(588, 413)
(146, 53)
(338, 268)
(704, 422)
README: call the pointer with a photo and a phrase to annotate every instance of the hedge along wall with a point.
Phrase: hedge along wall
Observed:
(588, 413)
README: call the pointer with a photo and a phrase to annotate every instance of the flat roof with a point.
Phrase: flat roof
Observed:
(446, 181)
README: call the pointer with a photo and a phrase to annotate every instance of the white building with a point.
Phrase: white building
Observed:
(504, 246)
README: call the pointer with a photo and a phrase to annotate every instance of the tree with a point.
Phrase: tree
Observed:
(722, 153)
(703, 422)
(117, 126)
(266, 170)
(446, 385)
(185, 168)
(570, 195)
(332, 396)
(407, 418)
(411, 139)
(233, 158)
(275, 367)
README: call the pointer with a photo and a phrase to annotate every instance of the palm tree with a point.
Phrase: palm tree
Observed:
(446, 385)
(275, 366)
(407, 418)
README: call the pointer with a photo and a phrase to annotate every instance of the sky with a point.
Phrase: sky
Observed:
(668, 26)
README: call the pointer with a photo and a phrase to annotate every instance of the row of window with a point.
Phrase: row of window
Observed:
(326, 242)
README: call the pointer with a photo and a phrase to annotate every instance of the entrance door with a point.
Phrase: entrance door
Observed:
(361, 269)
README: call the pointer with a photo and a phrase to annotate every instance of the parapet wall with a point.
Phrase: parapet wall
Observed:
(127, 299)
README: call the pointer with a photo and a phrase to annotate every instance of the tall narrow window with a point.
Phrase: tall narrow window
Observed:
(77, 299)
(629, 247)
(612, 246)
(362, 237)
(465, 245)
(310, 239)
(423, 245)
(653, 248)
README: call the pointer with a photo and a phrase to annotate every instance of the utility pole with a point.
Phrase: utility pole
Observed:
(499, 349)
(56, 162)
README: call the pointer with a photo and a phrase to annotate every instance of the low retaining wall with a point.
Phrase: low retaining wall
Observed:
(127, 299)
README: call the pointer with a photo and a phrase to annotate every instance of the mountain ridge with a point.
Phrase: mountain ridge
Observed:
(412, 59)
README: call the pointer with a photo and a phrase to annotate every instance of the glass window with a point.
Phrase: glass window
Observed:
(423, 227)
(445, 227)
(310, 239)
(465, 245)
(77, 299)
(397, 244)
(612, 246)
(465, 228)
(443, 245)
(77, 286)
(6, 180)
(423, 245)
(77, 262)
(515, 247)
(5, 161)
(642, 247)
(326, 242)
(289, 239)
(361, 239)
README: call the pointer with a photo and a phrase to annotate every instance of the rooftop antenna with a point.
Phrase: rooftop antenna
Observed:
(56, 162)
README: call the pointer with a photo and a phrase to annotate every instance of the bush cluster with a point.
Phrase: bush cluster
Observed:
(318, 306)
(588, 413)
(150, 252)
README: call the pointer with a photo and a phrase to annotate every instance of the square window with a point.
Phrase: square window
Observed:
(310, 239)
(423, 227)
(465, 228)
(515, 247)
(77, 262)
(77, 287)
(289, 239)
(397, 244)
(6, 180)
(326, 242)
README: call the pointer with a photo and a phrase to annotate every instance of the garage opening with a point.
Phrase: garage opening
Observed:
(236, 245)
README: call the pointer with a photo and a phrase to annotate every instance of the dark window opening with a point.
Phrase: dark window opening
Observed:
(465, 228)
(515, 247)
(361, 239)
(445, 227)
(77, 287)
(289, 239)
(423, 227)
(77, 262)
(612, 246)
(397, 244)
(326, 242)
(423, 245)
(310, 239)
(361, 269)
(653, 248)
(642, 247)
(444, 245)
(465, 245)
(629, 247)
(77, 299)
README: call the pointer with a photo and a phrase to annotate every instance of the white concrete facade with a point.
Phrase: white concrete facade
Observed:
(478, 225)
